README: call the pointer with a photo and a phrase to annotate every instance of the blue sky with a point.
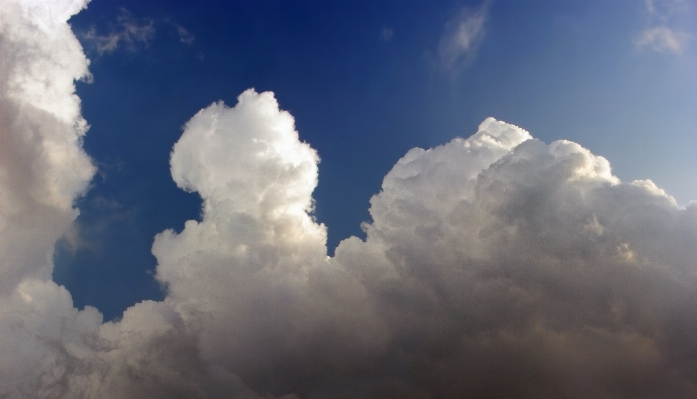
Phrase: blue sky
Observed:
(366, 82)
(348, 199)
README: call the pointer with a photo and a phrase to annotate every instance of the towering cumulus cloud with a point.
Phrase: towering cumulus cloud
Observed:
(494, 267)
(43, 165)
(42, 169)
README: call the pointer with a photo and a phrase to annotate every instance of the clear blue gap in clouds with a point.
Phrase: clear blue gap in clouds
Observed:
(562, 70)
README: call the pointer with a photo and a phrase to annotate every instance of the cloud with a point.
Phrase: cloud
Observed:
(462, 36)
(184, 35)
(42, 164)
(386, 34)
(42, 169)
(129, 31)
(132, 32)
(650, 8)
(495, 266)
(660, 36)
(662, 39)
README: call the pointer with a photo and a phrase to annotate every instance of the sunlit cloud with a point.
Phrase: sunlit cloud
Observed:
(386, 34)
(663, 40)
(494, 266)
(661, 36)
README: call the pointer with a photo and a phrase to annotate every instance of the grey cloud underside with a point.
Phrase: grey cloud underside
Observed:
(495, 267)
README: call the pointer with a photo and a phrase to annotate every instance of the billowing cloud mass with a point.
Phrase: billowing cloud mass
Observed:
(132, 33)
(42, 169)
(494, 267)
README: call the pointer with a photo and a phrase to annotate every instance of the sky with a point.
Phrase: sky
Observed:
(348, 199)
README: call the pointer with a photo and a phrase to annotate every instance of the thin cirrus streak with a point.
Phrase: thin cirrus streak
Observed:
(495, 266)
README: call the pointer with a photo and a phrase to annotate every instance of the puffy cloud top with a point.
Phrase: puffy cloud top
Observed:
(249, 155)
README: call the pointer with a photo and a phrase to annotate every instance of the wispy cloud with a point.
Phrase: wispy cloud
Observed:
(662, 39)
(132, 33)
(128, 31)
(386, 34)
(461, 37)
(184, 35)
(661, 35)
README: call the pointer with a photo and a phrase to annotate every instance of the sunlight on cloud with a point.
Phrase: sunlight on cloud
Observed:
(42, 169)
(42, 164)
(495, 266)
(132, 32)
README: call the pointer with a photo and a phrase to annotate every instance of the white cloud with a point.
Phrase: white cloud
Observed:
(132, 32)
(461, 37)
(42, 164)
(254, 273)
(42, 169)
(662, 36)
(663, 40)
(184, 35)
(386, 34)
(495, 266)
(129, 31)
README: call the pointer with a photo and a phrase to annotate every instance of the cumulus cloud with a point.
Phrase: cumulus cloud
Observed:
(462, 36)
(42, 164)
(495, 266)
(128, 31)
(532, 274)
(42, 169)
